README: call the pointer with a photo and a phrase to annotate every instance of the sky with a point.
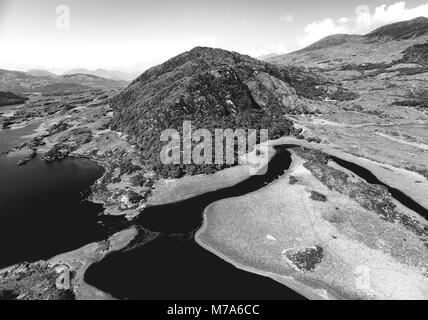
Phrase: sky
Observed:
(132, 35)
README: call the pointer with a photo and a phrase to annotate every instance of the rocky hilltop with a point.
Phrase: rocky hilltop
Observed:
(215, 88)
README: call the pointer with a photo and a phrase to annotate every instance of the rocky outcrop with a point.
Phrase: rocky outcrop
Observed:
(304, 259)
(416, 54)
(58, 152)
(33, 281)
(316, 196)
(67, 143)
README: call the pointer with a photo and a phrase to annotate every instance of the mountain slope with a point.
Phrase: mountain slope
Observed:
(387, 67)
(214, 88)
(333, 40)
(388, 70)
(385, 44)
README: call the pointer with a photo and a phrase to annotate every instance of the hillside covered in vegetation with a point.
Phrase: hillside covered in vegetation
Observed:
(215, 88)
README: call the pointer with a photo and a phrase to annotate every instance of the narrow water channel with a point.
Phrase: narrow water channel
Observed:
(372, 179)
(174, 268)
(171, 268)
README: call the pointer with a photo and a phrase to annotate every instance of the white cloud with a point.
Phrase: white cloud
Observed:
(362, 22)
(344, 20)
(320, 29)
(288, 18)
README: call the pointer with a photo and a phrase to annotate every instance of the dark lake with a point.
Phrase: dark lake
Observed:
(43, 211)
(171, 267)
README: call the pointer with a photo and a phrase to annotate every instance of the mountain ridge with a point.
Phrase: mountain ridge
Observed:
(401, 30)
(214, 88)
(382, 45)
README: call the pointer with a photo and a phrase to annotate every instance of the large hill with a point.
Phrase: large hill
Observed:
(386, 67)
(388, 70)
(215, 88)
(385, 44)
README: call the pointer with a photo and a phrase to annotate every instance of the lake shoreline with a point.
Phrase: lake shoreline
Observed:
(28, 143)
(116, 191)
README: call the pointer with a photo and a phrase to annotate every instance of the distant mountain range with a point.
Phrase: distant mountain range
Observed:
(40, 81)
(103, 73)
